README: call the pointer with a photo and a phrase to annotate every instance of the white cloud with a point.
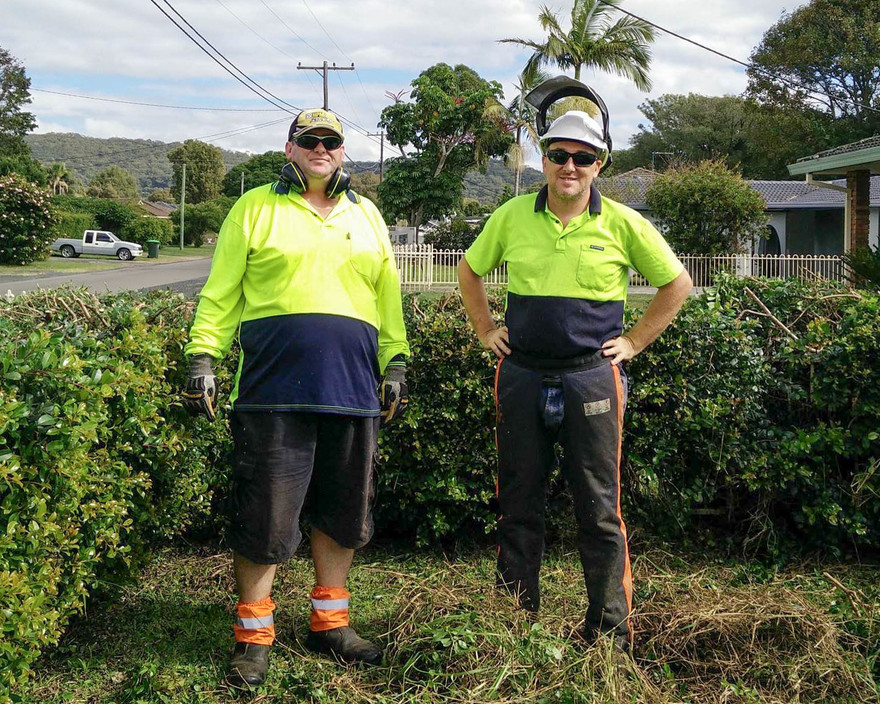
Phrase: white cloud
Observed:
(131, 51)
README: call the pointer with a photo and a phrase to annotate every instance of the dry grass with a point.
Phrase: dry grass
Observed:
(704, 634)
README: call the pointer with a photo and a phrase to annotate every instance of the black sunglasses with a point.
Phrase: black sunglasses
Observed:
(310, 141)
(560, 158)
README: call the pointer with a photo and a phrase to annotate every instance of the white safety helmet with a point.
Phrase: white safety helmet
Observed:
(576, 126)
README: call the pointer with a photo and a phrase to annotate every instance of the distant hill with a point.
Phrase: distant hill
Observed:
(147, 161)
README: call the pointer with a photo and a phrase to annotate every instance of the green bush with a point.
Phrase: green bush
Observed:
(735, 430)
(203, 218)
(97, 460)
(26, 221)
(864, 265)
(106, 214)
(766, 430)
(144, 229)
(73, 224)
(437, 464)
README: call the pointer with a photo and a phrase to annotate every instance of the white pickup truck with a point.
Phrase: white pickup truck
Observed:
(97, 242)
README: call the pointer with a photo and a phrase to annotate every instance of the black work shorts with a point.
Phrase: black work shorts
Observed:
(283, 460)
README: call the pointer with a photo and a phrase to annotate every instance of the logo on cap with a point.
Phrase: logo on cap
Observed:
(309, 120)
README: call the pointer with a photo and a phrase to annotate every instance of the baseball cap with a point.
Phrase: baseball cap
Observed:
(315, 119)
(575, 126)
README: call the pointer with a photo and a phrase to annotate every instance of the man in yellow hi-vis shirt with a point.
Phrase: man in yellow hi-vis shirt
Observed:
(568, 252)
(304, 278)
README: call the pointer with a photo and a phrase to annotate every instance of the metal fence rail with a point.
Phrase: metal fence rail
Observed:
(423, 268)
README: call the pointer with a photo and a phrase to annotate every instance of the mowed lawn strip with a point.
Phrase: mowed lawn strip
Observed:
(705, 632)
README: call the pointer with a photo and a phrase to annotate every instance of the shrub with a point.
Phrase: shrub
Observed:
(106, 214)
(202, 218)
(453, 234)
(770, 432)
(144, 229)
(26, 221)
(706, 208)
(73, 224)
(864, 264)
(97, 459)
(436, 477)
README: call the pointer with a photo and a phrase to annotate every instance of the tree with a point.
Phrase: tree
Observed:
(26, 221)
(452, 234)
(366, 183)
(15, 123)
(823, 57)
(60, 178)
(258, 170)
(204, 170)
(594, 42)
(161, 195)
(113, 182)
(760, 140)
(706, 208)
(202, 218)
(448, 128)
(520, 118)
(23, 165)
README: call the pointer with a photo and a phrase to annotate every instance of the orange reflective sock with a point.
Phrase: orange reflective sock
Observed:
(255, 622)
(329, 608)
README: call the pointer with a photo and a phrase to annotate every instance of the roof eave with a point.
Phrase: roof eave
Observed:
(838, 164)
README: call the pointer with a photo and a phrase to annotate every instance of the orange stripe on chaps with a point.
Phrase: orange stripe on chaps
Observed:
(626, 579)
(255, 623)
(329, 608)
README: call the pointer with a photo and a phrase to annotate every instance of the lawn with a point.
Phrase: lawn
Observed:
(57, 264)
(706, 631)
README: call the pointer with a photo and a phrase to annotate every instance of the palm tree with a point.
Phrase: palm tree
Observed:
(59, 178)
(594, 41)
(522, 120)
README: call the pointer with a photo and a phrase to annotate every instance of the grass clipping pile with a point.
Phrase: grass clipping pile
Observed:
(697, 640)
(749, 643)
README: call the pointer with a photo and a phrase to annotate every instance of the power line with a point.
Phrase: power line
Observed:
(150, 105)
(292, 31)
(260, 36)
(217, 61)
(746, 64)
(355, 126)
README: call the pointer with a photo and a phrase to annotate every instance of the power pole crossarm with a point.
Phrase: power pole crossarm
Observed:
(324, 70)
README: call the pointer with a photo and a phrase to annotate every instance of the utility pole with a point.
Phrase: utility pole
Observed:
(381, 135)
(242, 183)
(182, 202)
(323, 70)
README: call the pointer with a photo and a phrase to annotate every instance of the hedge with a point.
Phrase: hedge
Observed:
(743, 428)
(96, 458)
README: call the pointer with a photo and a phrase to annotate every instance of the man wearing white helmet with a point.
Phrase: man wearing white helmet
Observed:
(560, 377)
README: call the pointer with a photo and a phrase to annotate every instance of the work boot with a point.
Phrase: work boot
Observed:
(344, 644)
(248, 665)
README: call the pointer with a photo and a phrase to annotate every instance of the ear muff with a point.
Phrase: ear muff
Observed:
(554, 89)
(292, 177)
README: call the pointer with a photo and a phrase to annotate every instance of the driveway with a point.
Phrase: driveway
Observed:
(185, 275)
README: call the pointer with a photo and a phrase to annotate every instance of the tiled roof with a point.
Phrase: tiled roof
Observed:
(868, 143)
(779, 195)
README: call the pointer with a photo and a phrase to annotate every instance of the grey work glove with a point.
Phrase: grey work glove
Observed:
(393, 392)
(200, 394)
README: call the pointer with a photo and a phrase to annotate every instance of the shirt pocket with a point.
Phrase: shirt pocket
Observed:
(365, 257)
(596, 270)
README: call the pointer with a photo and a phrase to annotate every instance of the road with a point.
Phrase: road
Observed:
(185, 275)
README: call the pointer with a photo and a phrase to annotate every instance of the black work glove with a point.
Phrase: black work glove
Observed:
(200, 394)
(393, 391)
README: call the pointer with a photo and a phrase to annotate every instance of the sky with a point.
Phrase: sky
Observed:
(130, 51)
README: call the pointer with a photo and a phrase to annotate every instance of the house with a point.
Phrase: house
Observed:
(859, 162)
(157, 209)
(804, 217)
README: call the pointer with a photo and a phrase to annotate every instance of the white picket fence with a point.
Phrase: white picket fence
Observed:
(423, 268)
